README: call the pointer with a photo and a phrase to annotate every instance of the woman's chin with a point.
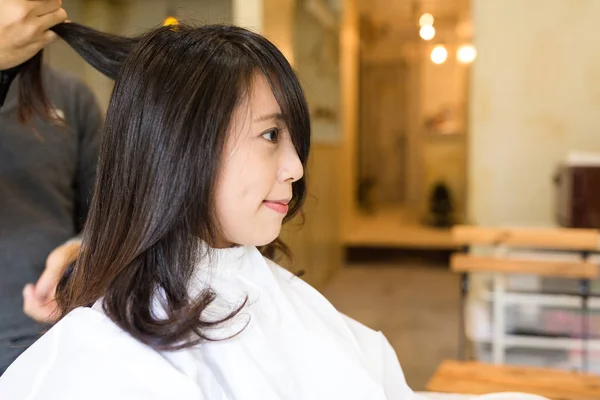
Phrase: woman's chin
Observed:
(268, 236)
(262, 236)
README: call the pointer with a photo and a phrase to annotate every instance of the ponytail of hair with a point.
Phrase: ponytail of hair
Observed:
(103, 51)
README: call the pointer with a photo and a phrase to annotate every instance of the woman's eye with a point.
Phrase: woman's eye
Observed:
(271, 135)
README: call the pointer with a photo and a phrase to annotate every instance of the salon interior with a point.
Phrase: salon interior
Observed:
(454, 175)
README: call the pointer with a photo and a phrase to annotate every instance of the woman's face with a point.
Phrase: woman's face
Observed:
(259, 165)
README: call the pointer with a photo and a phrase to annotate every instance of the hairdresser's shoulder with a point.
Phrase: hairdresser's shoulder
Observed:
(65, 84)
(64, 79)
(86, 355)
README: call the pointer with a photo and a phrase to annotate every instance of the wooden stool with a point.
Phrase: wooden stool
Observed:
(478, 378)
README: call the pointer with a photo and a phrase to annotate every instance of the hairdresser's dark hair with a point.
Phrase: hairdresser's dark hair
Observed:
(175, 92)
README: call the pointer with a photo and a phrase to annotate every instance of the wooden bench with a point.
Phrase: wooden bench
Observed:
(478, 378)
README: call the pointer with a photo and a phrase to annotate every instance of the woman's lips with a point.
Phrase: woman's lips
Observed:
(279, 206)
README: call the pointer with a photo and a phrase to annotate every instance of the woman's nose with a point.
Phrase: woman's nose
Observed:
(291, 169)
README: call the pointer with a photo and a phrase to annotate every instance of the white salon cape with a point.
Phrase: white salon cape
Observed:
(295, 345)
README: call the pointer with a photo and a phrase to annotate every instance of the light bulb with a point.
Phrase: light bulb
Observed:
(426, 19)
(439, 54)
(427, 32)
(466, 53)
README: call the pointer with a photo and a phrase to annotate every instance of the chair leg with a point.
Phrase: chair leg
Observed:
(584, 292)
(462, 337)
(499, 319)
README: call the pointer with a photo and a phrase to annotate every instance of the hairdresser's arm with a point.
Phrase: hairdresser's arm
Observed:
(24, 28)
(38, 299)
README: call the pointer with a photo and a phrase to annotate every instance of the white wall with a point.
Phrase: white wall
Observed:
(535, 95)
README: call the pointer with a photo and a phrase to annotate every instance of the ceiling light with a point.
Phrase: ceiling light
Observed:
(426, 19)
(427, 32)
(439, 54)
(466, 53)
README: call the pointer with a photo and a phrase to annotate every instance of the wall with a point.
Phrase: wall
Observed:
(316, 246)
(349, 91)
(278, 25)
(58, 54)
(314, 238)
(128, 18)
(429, 157)
(443, 157)
(535, 96)
(96, 14)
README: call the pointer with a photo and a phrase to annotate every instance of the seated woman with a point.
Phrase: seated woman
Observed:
(175, 294)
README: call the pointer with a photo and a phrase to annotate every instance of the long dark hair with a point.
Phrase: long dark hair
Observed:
(175, 91)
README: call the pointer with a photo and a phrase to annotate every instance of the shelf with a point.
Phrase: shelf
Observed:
(540, 299)
(540, 342)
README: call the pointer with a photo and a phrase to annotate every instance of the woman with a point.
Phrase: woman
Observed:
(174, 294)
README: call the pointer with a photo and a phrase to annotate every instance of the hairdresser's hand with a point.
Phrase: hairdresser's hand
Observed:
(38, 300)
(24, 28)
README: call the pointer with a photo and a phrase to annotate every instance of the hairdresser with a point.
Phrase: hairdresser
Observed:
(47, 171)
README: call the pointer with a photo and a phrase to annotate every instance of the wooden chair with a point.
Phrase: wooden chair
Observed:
(471, 377)
(580, 241)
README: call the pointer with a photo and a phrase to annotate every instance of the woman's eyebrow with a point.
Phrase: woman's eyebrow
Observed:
(268, 117)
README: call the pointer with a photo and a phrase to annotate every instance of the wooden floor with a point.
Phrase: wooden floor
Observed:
(414, 305)
(394, 228)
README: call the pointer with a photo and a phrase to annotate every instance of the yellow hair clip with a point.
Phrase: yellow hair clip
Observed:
(170, 21)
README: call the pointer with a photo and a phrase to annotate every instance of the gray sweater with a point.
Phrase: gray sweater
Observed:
(46, 178)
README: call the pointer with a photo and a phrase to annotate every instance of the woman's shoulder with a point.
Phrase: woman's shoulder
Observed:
(86, 355)
(372, 346)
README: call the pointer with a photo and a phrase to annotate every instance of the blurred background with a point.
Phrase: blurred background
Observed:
(425, 114)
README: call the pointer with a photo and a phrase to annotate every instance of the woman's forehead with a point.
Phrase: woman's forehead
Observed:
(260, 104)
(261, 96)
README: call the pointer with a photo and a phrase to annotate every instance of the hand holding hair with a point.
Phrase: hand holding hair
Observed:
(24, 28)
(103, 51)
(24, 31)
